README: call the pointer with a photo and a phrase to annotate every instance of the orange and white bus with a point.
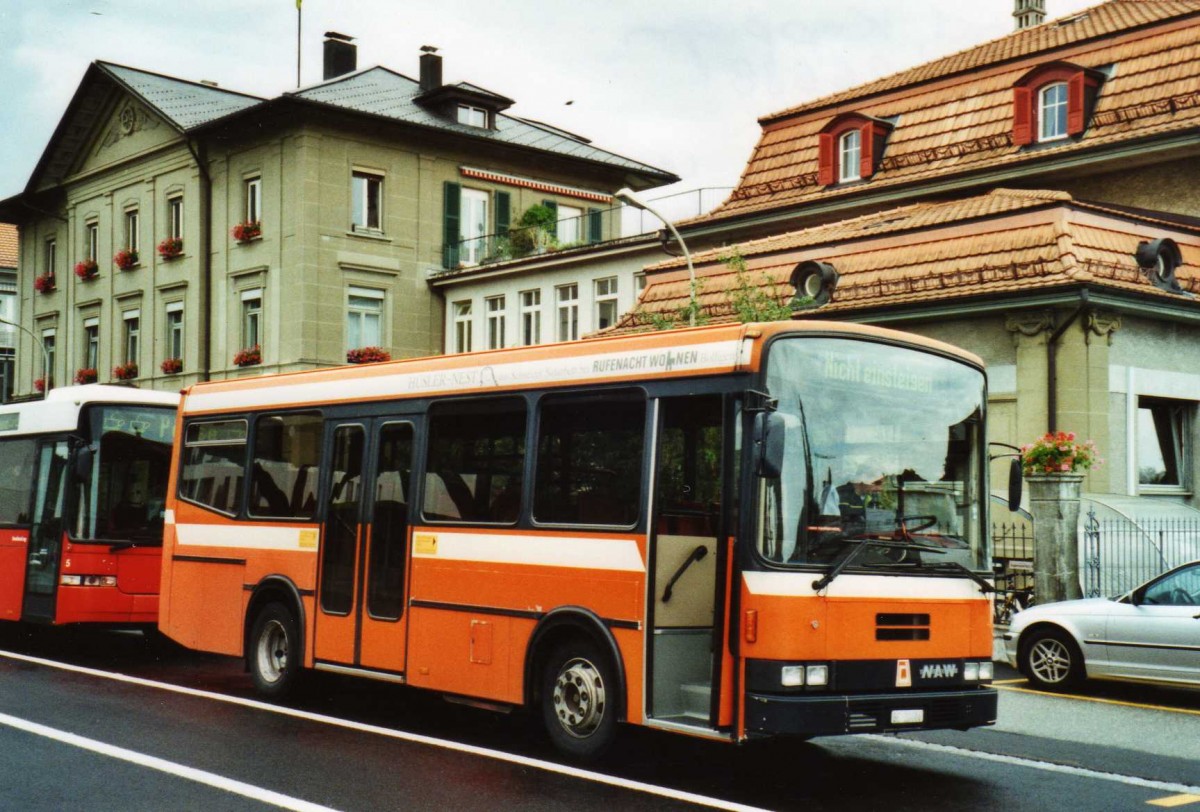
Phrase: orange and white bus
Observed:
(83, 480)
(730, 532)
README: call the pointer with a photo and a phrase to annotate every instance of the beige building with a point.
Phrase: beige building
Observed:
(176, 231)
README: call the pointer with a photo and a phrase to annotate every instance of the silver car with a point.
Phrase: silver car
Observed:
(1150, 634)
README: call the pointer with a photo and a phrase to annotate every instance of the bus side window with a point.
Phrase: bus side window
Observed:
(475, 463)
(214, 457)
(287, 449)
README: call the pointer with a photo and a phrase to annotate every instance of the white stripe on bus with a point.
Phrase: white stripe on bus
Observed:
(649, 363)
(800, 584)
(542, 550)
(243, 536)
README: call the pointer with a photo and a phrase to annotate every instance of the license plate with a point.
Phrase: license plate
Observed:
(908, 717)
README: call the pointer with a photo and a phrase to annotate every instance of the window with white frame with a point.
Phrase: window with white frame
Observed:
(175, 330)
(531, 317)
(568, 312)
(91, 343)
(849, 155)
(570, 225)
(364, 318)
(1163, 444)
(50, 257)
(495, 322)
(1052, 112)
(473, 225)
(252, 309)
(50, 344)
(133, 334)
(92, 239)
(606, 302)
(133, 240)
(462, 326)
(472, 116)
(175, 217)
(253, 196)
(366, 201)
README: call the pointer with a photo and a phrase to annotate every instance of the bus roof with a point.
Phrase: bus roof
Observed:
(665, 354)
(59, 411)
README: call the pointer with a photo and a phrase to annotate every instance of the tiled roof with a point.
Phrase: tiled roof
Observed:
(185, 104)
(382, 92)
(8, 246)
(1002, 242)
(956, 121)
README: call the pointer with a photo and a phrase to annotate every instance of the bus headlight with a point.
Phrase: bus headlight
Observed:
(971, 672)
(817, 674)
(986, 670)
(792, 676)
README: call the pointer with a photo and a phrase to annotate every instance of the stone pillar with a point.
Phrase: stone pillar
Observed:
(1054, 502)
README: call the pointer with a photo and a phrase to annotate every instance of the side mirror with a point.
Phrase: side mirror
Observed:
(1014, 486)
(769, 434)
(82, 462)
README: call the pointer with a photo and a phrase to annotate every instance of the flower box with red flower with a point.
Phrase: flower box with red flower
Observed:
(126, 371)
(1059, 453)
(85, 375)
(125, 259)
(170, 248)
(86, 268)
(367, 355)
(44, 283)
(247, 231)
(39, 384)
(172, 366)
(248, 357)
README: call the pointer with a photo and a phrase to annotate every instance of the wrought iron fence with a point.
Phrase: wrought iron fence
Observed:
(1119, 554)
(1012, 562)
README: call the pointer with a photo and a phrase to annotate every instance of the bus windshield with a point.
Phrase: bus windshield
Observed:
(883, 448)
(123, 496)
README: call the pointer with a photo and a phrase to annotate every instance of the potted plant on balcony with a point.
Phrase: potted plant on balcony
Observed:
(172, 366)
(247, 231)
(248, 357)
(85, 375)
(1058, 453)
(44, 283)
(170, 248)
(86, 268)
(367, 355)
(125, 259)
(126, 371)
(39, 384)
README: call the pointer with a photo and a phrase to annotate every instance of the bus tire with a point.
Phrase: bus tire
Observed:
(578, 705)
(274, 646)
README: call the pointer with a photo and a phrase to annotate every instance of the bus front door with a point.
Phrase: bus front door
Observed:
(362, 582)
(46, 534)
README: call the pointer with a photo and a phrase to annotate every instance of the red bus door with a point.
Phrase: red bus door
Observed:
(46, 535)
(362, 582)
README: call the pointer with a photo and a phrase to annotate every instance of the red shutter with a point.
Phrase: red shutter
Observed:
(1076, 103)
(825, 172)
(1022, 116)
(866, 155)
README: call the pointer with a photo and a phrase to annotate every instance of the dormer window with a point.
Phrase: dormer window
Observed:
(850, 147)
(1052, 112)
(849, 155)
(1054, 102)
(472, 116)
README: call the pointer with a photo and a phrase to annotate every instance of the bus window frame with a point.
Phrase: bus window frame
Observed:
(36, 440)
(317, 516)
(240, 513)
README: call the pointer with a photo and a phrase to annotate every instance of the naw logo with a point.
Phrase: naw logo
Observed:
(939, 671)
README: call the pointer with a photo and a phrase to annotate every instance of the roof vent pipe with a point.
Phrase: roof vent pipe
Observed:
(431, 69)
(341, 55)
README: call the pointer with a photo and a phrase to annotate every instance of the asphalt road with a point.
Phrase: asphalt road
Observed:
(179, 730)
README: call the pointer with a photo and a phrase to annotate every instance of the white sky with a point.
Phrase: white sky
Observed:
(678, 84)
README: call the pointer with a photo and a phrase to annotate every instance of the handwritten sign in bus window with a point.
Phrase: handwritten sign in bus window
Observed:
(150, 424)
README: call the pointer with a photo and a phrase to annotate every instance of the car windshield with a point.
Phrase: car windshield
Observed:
(882, 445)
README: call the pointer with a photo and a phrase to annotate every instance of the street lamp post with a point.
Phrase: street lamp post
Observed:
(38, 341)
(627, 196)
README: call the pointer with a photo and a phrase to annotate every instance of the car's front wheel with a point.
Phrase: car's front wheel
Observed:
(1051, 660)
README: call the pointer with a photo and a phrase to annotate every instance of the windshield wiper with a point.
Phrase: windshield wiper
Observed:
(862, 544)
(984, 586)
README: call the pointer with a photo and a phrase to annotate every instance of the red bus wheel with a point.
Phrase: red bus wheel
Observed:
(577, 703)
(273, 651)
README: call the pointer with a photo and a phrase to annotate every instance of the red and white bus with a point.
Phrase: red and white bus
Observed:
(83, 477)
(729, 532)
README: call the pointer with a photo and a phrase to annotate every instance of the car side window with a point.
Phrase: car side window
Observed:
(1179, 588)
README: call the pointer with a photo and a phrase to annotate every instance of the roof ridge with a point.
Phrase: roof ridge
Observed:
(344, 77)
(105, 65)
(1033, 194)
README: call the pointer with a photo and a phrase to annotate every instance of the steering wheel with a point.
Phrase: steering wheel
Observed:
(1181, 597)
(926, 522)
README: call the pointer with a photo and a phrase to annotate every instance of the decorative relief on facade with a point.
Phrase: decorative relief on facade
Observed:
(1029, 324)
(129, 120)
(1102, 323)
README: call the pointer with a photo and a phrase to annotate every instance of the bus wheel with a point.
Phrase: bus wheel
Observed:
(578, 711)
(273, 648)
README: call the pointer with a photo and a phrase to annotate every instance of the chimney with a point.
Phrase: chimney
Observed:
(1028, 13)
(431, 69)
(341, 55)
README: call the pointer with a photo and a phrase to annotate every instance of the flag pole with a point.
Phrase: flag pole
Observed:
(298, 42)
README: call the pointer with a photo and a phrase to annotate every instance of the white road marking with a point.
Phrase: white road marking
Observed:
(162, 765)
(498, 755)
(1046, 766)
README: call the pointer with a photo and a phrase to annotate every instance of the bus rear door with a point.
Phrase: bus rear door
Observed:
(46, 534)
(362, 581)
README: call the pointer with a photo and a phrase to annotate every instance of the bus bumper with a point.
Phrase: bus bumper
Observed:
(869, 713)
